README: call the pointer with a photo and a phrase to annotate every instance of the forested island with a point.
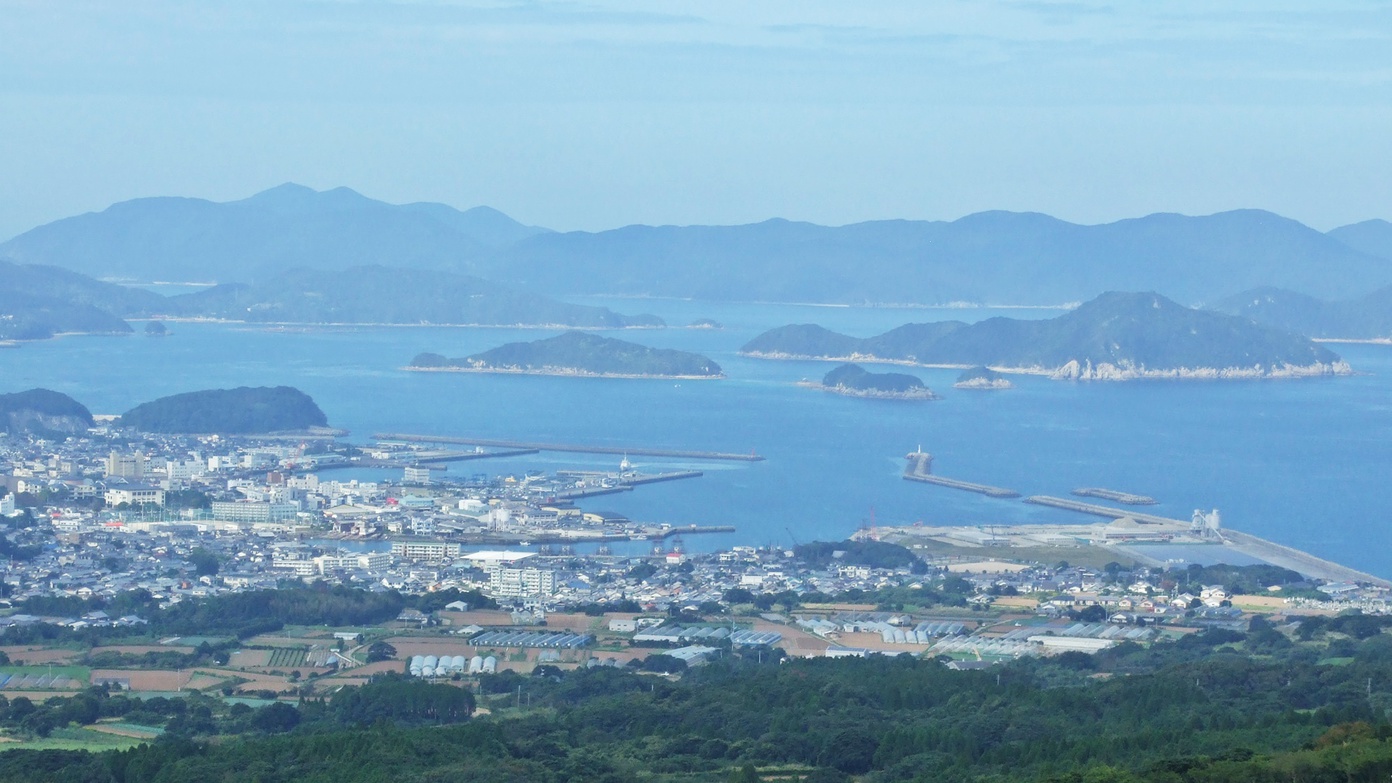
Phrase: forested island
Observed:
(853, 380)
(982, 378)
(577, 353)
(1117, 336)
(42, 411)
(240, 411)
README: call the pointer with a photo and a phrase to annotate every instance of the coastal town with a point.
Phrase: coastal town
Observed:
(184, 518)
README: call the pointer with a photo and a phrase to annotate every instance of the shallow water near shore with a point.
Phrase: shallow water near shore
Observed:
(1302, 462)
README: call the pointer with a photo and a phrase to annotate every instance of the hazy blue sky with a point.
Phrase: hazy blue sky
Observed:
(597, 114)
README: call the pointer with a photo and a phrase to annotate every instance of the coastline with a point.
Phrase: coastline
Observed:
(565, 372)
(199, 319)
(1086, 371)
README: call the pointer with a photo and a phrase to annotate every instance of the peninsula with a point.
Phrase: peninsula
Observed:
(241, 411)
(1115, 337)
(853, 380)
(42, 411)
(1365, 319)
(579, 354)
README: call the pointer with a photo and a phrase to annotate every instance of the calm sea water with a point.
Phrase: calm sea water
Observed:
(1305, 463)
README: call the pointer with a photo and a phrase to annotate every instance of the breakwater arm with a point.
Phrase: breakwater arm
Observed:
(571, 447)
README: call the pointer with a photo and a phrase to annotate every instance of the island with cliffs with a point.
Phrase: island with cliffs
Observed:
(577, 354)
(1115, 337)
(852, 380)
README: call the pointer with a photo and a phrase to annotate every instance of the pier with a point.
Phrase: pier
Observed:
(571, 447)
(1104, 511)
(1115, 496)
(625, 484)
(920, 465)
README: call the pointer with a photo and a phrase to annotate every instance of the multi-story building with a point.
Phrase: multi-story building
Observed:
(135, 496)
(425, 550)
(127, 466)
(251, 511)
(507, 582)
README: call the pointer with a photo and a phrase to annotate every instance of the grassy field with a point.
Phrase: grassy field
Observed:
(80, 673)
(74, 739)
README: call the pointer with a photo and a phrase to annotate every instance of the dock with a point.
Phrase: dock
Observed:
(920, 465)
(626, 484)
(1104, 511)
(571, 447)
(1115, 496)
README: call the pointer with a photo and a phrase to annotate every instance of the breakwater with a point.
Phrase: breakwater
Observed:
(1103, 511)
(1128, 498)
(572, 447)
(920, 465)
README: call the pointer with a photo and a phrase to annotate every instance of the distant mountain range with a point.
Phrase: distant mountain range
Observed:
(990, 257)
(577, 353)
(252, 240)
(1364, 318)
(1117, 336)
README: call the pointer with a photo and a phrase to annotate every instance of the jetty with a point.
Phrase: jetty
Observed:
(1296, 560)
(1115, 496)
(626, 484)
(920, 469)
(1104, 511)
(571, 447)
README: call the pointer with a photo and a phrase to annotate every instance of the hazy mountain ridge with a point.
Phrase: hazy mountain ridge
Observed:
(578, 353)
(289, 226)
(1117, 336)
(991, 257)
(1373, 237)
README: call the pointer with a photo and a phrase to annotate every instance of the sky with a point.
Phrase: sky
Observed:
(593, 115)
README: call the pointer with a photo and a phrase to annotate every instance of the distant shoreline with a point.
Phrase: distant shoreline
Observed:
(1101, 372)
(565, 373)
(375, 325)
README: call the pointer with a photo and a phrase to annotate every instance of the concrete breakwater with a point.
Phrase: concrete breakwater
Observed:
(920, 467)
(571, 447)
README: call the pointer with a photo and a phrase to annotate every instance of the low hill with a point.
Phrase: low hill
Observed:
(578, 353)
(252, 240)
(241, 411)
(856, 381)
(1365, 318)
(42, 411)
(28, 317)
(376, 294)
(1117, 336)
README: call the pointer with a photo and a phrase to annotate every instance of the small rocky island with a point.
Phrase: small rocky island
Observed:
(982, 378)
(241, 411)
(705, 323)
(579, 354)
(853, 380)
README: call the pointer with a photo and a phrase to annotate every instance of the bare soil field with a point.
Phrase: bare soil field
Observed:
(147, 679)
(29, 655)
(141, 649)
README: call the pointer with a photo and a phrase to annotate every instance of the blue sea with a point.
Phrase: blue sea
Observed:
(1302, 462)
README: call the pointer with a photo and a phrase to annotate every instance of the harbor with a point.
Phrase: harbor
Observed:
(571, 447)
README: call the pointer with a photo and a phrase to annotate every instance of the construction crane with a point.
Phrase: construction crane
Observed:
(790, 535)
